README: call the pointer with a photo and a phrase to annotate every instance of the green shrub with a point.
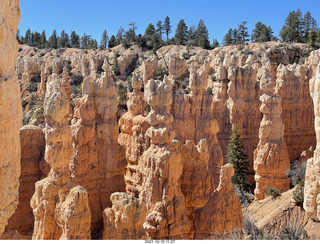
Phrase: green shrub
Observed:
(161, 72)
(275, 193)
(245, 197)
(298, 193)
(76, 80)
(33, 86)
(293, 231)
(297, 173)
(209, 91)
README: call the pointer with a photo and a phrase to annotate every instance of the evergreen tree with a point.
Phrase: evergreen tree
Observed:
(312, 38)
(202, 36)
(92, 43)
(74, 40)
(132, 32)
(27, 37)
(104, 40)
(159, 29)
(167, 26)
(243, 34)
(120, 35)
(63, 40)
(191, 35)
(237, 157)
(53, 40)
(43, 40)
(215, 43)
(235, 36)
(84, 41)
(35, 39)
(181, 33)
(18, 36)
(261, 33)
(227, 39)
(309, 24)
(149, 34)
(150, 31)
(292, 30)
(112, 42)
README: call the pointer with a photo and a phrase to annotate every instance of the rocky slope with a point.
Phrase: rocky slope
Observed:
(11, 114)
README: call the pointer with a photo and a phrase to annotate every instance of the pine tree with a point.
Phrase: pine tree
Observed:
(132, 31)
(84, 41)
(74, 40)
(27, 37)
(237, 157)
(292, 30)
(63, 40)
(120, 35)
(159, 28)
(104, 40)
(227, 39)
(35, 39)
(112, 42)
(261, 33)
(53, 40)
(202, 36)
(309, 24)
(243, 34)
(181, 33)
(43, 40)
(167, 26)
(191, 35)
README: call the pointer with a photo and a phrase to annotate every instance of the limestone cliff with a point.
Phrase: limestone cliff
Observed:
(11, 114)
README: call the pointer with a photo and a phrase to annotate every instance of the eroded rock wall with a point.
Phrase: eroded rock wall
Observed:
(11, 113)
(311, 202)
(33, 168)
(174, 181)
(87, 164)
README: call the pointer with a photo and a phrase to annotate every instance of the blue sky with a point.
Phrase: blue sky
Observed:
(93, 16)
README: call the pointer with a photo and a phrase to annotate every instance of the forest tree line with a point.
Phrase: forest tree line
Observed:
(297, 28)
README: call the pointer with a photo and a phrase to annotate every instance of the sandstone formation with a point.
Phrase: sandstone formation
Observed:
(175, 205)
(311, 192)
(33, 169)
(271, 162)
(88, 156)
(73, 215)
(11, 114)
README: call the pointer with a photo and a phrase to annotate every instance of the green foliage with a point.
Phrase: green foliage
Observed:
(181, 33)
(115, 67)
(296, 173)
(112, 42)
(161, 72)
(167, 27)
(74, 40)
(293, 231)
(298, 28)
(147, 109)
(209, 91)
(261, 33)
(53, 40)
(238, 158)
(33, 86)
(104, 40)
(275, 193)
(298, 193)
(76, 80)
(202, 36)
